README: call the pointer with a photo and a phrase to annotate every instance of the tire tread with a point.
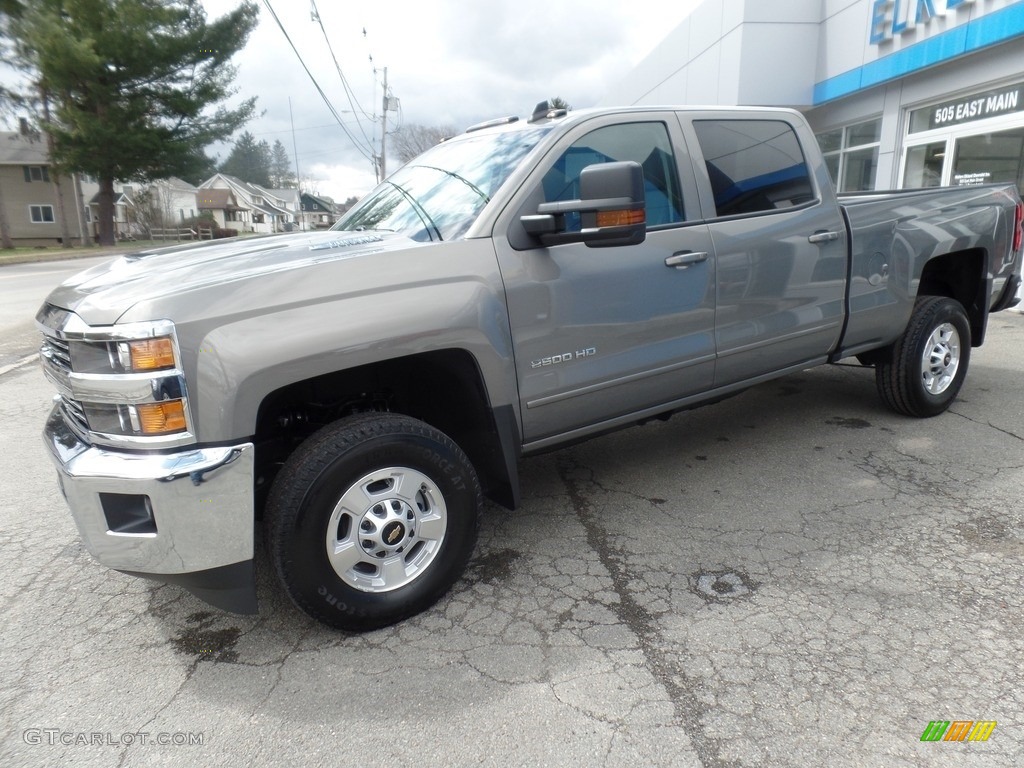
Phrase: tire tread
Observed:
(306, 465)
(896, 376)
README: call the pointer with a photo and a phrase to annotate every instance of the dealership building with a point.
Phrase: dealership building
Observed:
(900, 93)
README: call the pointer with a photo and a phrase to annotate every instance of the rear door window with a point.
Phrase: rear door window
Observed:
(754, 165)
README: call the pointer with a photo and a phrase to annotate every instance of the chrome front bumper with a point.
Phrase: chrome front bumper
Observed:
(184, 517)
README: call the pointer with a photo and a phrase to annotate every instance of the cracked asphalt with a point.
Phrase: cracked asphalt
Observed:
(793, 577)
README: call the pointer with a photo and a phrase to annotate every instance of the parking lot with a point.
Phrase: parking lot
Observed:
(794, 577)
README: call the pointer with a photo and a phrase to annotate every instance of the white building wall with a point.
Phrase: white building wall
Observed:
(727, 52)
(842, 62)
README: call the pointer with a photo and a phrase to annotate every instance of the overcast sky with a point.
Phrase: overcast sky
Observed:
(449, 62)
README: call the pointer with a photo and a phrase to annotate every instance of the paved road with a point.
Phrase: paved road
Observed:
(23, 288)
(794, 577)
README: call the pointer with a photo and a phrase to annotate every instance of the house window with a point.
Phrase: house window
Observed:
(36, 173)
(41, 214)
(851, 154)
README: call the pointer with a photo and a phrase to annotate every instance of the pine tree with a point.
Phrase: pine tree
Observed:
(249, 160)
(136, 87)
(281, 173)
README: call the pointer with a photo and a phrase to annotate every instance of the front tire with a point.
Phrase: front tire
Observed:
(372, 520)
(926, 367)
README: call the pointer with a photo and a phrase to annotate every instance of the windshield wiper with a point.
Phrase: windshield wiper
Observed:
(424, 216)
(467, 182)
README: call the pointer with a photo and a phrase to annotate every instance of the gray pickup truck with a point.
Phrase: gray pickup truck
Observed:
(527, 284)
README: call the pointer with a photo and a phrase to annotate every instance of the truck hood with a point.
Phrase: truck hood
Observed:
(104, 293)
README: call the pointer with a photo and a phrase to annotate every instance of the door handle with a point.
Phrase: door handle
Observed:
(686, 259)
(823, 237)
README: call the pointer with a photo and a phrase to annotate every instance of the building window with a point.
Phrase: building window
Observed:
(41, 214)
(36, 173)
(851, 154)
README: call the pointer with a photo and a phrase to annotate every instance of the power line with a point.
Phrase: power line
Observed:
(289, 130)
(352, 100)
(366, 152)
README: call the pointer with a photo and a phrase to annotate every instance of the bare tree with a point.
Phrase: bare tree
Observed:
(413, 139)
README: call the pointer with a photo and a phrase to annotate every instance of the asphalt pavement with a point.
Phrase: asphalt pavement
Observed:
(793, 577)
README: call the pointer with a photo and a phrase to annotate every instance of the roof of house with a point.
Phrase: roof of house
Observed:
(120, 198)
(324, 202)
(173, 182)
(289, 195)
(248, 189)
(218, 199)
(20, 149)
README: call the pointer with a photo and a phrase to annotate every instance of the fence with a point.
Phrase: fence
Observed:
(181, 233)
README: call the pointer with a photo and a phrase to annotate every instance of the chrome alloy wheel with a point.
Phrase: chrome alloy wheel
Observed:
(386, 529)
(940, 359)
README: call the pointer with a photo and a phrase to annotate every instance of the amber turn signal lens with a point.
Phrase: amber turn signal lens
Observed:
(152, 354)
(620, 218)
(162, 418)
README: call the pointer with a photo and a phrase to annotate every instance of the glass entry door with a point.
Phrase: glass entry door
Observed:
(924, 165)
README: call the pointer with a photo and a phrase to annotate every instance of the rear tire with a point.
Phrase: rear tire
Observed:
(925, 368)
(372, 520)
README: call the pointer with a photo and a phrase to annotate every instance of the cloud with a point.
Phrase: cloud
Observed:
(447, 62)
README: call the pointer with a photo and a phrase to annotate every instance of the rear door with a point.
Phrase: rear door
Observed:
(780, 243)
(601, 333)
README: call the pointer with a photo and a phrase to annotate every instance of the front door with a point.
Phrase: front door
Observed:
(602, 333)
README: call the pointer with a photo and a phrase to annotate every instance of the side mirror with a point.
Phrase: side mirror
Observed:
(611, 209)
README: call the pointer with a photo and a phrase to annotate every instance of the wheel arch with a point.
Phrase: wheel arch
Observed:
(443, 388)
(963, 276)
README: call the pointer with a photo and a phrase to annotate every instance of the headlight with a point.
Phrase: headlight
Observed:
(118, 385)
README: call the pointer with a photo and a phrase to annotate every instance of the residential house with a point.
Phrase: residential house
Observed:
(127, 224)
(174, 202)
(316, 212)
(223, 206)
(290, 200)
(267, 212)
(28, 193)
(139, 207)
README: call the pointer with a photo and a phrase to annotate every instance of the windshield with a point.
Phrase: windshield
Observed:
(439, 195)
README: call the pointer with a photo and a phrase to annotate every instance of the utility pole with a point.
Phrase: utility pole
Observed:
(298, 186)
(384, 130)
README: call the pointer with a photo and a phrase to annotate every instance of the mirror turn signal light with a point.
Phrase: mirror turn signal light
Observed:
(620, 218)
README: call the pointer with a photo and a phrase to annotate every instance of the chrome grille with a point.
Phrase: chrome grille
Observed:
(57, 351)
(56, 358)
(74, 412)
